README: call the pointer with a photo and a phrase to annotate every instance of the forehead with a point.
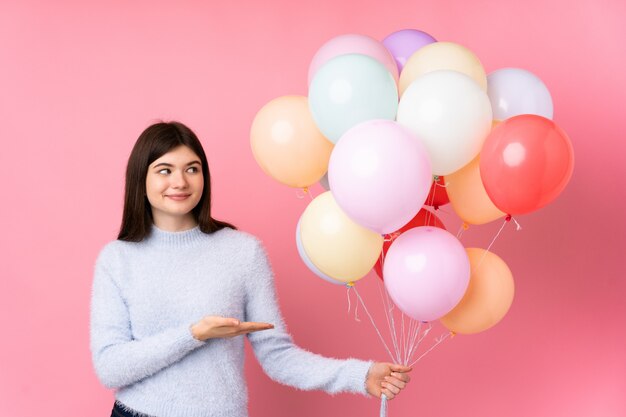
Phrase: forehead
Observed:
(179, 155)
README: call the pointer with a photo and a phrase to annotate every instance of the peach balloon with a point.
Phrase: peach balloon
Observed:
(488, 297)
(287, 144)
(468, 196)
(334, 243)
(442, 56)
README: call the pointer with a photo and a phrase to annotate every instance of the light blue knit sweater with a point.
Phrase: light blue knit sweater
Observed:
(146, 296)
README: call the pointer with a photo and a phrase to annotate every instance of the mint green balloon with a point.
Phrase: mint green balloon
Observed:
(351, 89)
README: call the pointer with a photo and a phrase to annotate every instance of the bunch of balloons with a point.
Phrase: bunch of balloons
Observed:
(392, 126)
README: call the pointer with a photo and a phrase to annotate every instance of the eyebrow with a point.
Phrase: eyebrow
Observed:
(165, 164)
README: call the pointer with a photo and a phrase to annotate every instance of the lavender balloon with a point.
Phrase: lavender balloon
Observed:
(403, 43)
(426, 272)
(380, 175)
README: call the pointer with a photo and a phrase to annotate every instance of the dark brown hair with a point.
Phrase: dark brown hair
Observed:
(154, 142)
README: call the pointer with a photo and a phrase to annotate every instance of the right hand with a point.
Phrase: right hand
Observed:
(215, 326)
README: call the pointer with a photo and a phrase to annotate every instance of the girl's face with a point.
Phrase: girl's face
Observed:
(174, 185)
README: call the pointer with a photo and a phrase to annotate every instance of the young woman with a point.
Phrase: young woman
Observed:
(174, 293)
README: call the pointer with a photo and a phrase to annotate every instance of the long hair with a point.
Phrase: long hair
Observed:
(154, 142)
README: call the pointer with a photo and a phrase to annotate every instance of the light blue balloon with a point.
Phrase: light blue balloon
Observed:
(307, 261)
(351, 89)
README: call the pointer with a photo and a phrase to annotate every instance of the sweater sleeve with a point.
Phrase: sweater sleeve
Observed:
(280, 358)
(118, 359)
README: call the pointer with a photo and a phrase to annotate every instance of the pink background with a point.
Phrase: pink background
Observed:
(79, 82)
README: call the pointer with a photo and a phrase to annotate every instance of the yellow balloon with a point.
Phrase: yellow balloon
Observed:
(488, 297)
(468, 196)
(339, 247)
(287, 144)
(442, 56)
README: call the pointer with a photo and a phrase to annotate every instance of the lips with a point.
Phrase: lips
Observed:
(178, 197)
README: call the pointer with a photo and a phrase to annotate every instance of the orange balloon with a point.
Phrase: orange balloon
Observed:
(287, 144)
(468, 196)
(488, 297)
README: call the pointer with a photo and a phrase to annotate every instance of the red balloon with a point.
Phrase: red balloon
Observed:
(422, 218)
(438, 196)
(525, 163)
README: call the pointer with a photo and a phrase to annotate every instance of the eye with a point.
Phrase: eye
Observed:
(163, 171)
(193, 169)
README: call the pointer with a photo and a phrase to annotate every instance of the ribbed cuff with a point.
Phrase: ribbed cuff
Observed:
(358, 376)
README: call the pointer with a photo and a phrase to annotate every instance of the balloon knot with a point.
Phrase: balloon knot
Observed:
(350, 284)
(465, 226)
(508, 218)
(436, 177)
(436, 207)
(452, 334)
(306, 190)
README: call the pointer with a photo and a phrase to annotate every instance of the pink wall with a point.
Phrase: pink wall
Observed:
(79, 82)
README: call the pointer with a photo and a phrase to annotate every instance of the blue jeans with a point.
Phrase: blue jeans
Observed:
(119, 411)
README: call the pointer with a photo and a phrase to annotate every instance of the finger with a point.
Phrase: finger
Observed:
(401, 376)
(400, 368)
(390, 387)
(395, 382)
(255, 326)
(226, 321)
(390, 395)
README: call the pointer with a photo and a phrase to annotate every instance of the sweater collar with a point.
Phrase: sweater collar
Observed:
(159, 237)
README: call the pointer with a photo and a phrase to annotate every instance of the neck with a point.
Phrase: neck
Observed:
(174, 223)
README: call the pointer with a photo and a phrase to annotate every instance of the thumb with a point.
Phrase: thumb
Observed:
(226, 321)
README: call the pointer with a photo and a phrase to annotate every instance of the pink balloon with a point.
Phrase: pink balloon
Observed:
(380, 175)
(353, 44)
(426, 272)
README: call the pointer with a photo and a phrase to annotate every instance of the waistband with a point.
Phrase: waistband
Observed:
(121, 410)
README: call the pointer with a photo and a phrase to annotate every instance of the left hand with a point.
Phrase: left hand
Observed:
(387, 378)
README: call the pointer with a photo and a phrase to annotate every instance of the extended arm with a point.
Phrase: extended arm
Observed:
(280, 358)
(118, 359)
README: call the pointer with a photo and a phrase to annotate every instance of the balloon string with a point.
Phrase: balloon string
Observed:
(413, 347)
(439, 340)
(508, 218)
(373, 323)
(463, 228)
(385, 308)
(404, 340)
(497, 234)
(301, 192)
(393, 327)
(417, 343)
(413, 331)
(348, 295)
(432, 200)
(383, 405)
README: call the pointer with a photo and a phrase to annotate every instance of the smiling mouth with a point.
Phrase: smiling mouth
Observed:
(179, 197)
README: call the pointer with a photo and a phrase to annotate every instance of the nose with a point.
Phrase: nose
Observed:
(178, 180)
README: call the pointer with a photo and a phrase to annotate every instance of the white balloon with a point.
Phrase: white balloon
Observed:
(450, 114)
(514, 91)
